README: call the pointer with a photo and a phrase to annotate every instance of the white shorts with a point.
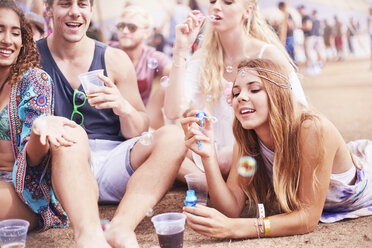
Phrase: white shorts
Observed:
(110, 164)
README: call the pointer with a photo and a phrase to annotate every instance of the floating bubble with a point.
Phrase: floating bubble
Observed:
(152, 63)
(199, 16)
(243, 73)
(164, 81)
(228, 89)
(229, 69)
(212, 17)
(146, 138)
(212, 119)
(104, 223)
(150, 213)
(200, 36)
(247, 166)
(209, 98)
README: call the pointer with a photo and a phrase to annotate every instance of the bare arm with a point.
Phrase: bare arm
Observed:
(46, 131)
(186, 33)
(213, 223)
(226, 197)
(128, 104)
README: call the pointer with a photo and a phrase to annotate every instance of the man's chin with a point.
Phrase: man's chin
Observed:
(125, 46)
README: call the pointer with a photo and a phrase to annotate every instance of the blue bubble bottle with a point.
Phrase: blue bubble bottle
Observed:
(190, 200)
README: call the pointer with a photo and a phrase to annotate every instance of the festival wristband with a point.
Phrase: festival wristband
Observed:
(266, 222)
(261, 210)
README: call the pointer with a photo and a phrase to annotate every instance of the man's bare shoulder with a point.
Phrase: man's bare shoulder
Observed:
(114, 55)
(118, 64)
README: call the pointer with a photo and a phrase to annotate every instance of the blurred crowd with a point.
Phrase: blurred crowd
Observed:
(309, 40)
(314, 41)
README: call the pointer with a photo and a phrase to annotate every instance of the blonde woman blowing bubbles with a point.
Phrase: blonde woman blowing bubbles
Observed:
(305, 171)
(234, 30)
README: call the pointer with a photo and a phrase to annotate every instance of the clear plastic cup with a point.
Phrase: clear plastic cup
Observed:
(169, 227)
(90, 80)
(198, 183)
(13, 233)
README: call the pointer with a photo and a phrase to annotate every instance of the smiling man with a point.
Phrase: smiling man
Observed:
(125, 171)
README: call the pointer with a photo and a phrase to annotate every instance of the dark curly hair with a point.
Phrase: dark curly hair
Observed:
(28, 55)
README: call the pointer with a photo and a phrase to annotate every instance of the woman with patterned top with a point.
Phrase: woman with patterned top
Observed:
(27, 129)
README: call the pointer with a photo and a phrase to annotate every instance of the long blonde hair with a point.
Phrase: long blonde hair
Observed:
(285, 120)
(212, 50)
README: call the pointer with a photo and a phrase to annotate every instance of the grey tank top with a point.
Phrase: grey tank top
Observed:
(98, 123)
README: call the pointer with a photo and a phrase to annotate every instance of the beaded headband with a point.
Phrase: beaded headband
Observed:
(277, 74)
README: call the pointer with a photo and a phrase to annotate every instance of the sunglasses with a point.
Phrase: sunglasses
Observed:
(79, 100)
(131, 27)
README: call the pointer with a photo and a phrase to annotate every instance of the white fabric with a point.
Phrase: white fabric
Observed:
(110, 164)
(221, 110)
(343, 201)
(263, 48)
(293, 80)
(297, 90)
(345, 177)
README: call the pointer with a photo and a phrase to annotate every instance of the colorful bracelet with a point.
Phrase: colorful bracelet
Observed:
(261, 227)
(266, 222)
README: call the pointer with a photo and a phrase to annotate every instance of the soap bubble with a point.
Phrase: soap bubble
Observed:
(247, 166)
(152, 63)
(164, 81)
(211, 17)
(212, 119)
(243, 73)
(200, 36)
(209, 98)
(150, 213)
(104, 223)
(229, 69)
(146, 138)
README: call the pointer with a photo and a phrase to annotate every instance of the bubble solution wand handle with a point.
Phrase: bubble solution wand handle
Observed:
(190, 200)
(201, 115)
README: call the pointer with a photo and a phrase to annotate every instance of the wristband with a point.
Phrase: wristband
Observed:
(266, 222)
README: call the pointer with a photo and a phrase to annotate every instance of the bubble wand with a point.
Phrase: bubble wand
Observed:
(201, 115)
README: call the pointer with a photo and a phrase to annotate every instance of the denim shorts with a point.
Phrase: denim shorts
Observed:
(110, 164)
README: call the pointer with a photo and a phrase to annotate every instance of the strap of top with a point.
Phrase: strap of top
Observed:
(263, 48)
(268, 158)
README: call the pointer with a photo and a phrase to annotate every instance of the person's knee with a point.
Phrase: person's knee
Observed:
(172, 136)
(81, 145)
